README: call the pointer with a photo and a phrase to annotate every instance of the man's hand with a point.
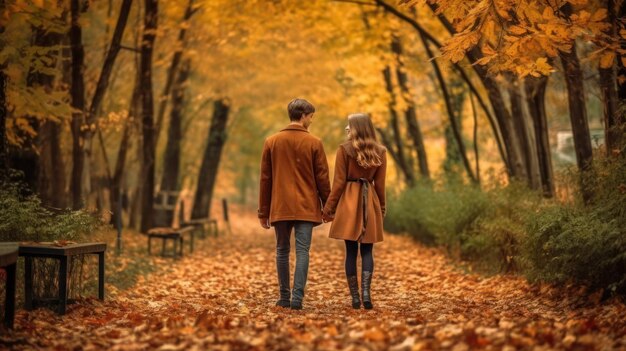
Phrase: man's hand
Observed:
(327, 218)
(265, 223)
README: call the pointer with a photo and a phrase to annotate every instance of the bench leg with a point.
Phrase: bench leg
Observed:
(149, 245)
(63, 285)
(163, 247)
(180, 249)
(192, 234)
(101, 275)
(28, 283)
(9, 302)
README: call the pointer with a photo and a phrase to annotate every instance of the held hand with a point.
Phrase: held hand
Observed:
(265, 223)
(327, 218)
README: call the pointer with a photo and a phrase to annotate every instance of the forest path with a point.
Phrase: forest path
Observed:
(222, 297)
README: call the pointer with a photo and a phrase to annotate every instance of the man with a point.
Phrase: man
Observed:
(294, 188)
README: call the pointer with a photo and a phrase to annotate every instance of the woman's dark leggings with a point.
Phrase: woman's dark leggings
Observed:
(367, 258)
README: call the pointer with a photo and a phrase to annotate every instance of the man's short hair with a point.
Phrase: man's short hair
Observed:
(299, 107)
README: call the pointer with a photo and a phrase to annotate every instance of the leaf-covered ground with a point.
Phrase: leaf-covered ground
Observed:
(222, 297)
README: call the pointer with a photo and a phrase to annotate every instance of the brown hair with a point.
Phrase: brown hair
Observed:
(299, 107)
(363, 138)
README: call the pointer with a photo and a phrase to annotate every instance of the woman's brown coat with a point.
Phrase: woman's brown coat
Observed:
(344, 202)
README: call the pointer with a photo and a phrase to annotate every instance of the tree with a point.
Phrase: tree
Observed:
(577, 110)
(101, 88)
(410, 114)
(171, 165)
(147, 113)
(4, 152)
(535, 88)
(4, 149)
(174, 65)
(613, 118)
(78, 103)
(396, 147)
(211, 160)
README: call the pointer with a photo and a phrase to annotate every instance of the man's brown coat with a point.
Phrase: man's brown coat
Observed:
(294, 177)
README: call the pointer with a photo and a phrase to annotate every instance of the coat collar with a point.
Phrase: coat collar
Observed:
(295, 127)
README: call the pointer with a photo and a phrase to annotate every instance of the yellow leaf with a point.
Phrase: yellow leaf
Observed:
(622, 32)
(548, 14)
(543, 66)
(488, 50)
(483, 61)
(599, 15)
(606, 61)
(517, 30)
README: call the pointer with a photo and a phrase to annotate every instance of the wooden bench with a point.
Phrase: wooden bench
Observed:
(8, 261)
(206, 226)
(61, 253)
(173, 234)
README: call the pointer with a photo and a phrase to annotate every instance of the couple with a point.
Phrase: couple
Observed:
(295, 194)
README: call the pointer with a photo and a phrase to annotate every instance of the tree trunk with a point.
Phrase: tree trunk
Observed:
(101, 88)
(409, 114)
(171, 165)
(51, 184)
(450, 112)
(50, 171)
(120, 163)
(475, 137)
(78, 103)
(535, 99)
(578, 114)
(578, 111)
(211, 160)
(621, 69)
(401, 157)
(613, 122)
(173, 70)
(4, 152)
(147, 112)
(530, 172)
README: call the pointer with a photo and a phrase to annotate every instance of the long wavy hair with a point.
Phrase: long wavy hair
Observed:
(363, 138)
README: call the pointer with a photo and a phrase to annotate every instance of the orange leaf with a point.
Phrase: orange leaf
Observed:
(606, 61)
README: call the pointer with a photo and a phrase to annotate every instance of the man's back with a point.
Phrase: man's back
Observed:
(294, 176)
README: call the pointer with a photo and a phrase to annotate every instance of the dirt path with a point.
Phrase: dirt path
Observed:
(223, 296)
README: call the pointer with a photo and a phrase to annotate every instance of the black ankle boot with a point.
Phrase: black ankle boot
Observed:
(283, 285)
(283, 303)
(366, 283)
(353, 284)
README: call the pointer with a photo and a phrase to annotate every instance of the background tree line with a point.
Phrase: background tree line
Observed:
(105, 99)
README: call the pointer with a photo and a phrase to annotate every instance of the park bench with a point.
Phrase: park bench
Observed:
(62, 253)
(206, 226)
(8, 261)
(172, 234)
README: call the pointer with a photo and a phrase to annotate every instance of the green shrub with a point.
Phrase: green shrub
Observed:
(434, 216)
(512, 229)
(23, 218)
(586, 244)
(493, 240)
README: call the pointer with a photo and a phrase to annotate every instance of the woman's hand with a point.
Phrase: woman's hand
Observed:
(327, 218)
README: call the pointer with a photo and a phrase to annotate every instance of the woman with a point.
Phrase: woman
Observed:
(356, 204)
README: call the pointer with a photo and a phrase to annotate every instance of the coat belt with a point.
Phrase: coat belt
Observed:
(364, 182)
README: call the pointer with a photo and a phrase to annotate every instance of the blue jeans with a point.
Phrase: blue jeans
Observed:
(303, 233)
